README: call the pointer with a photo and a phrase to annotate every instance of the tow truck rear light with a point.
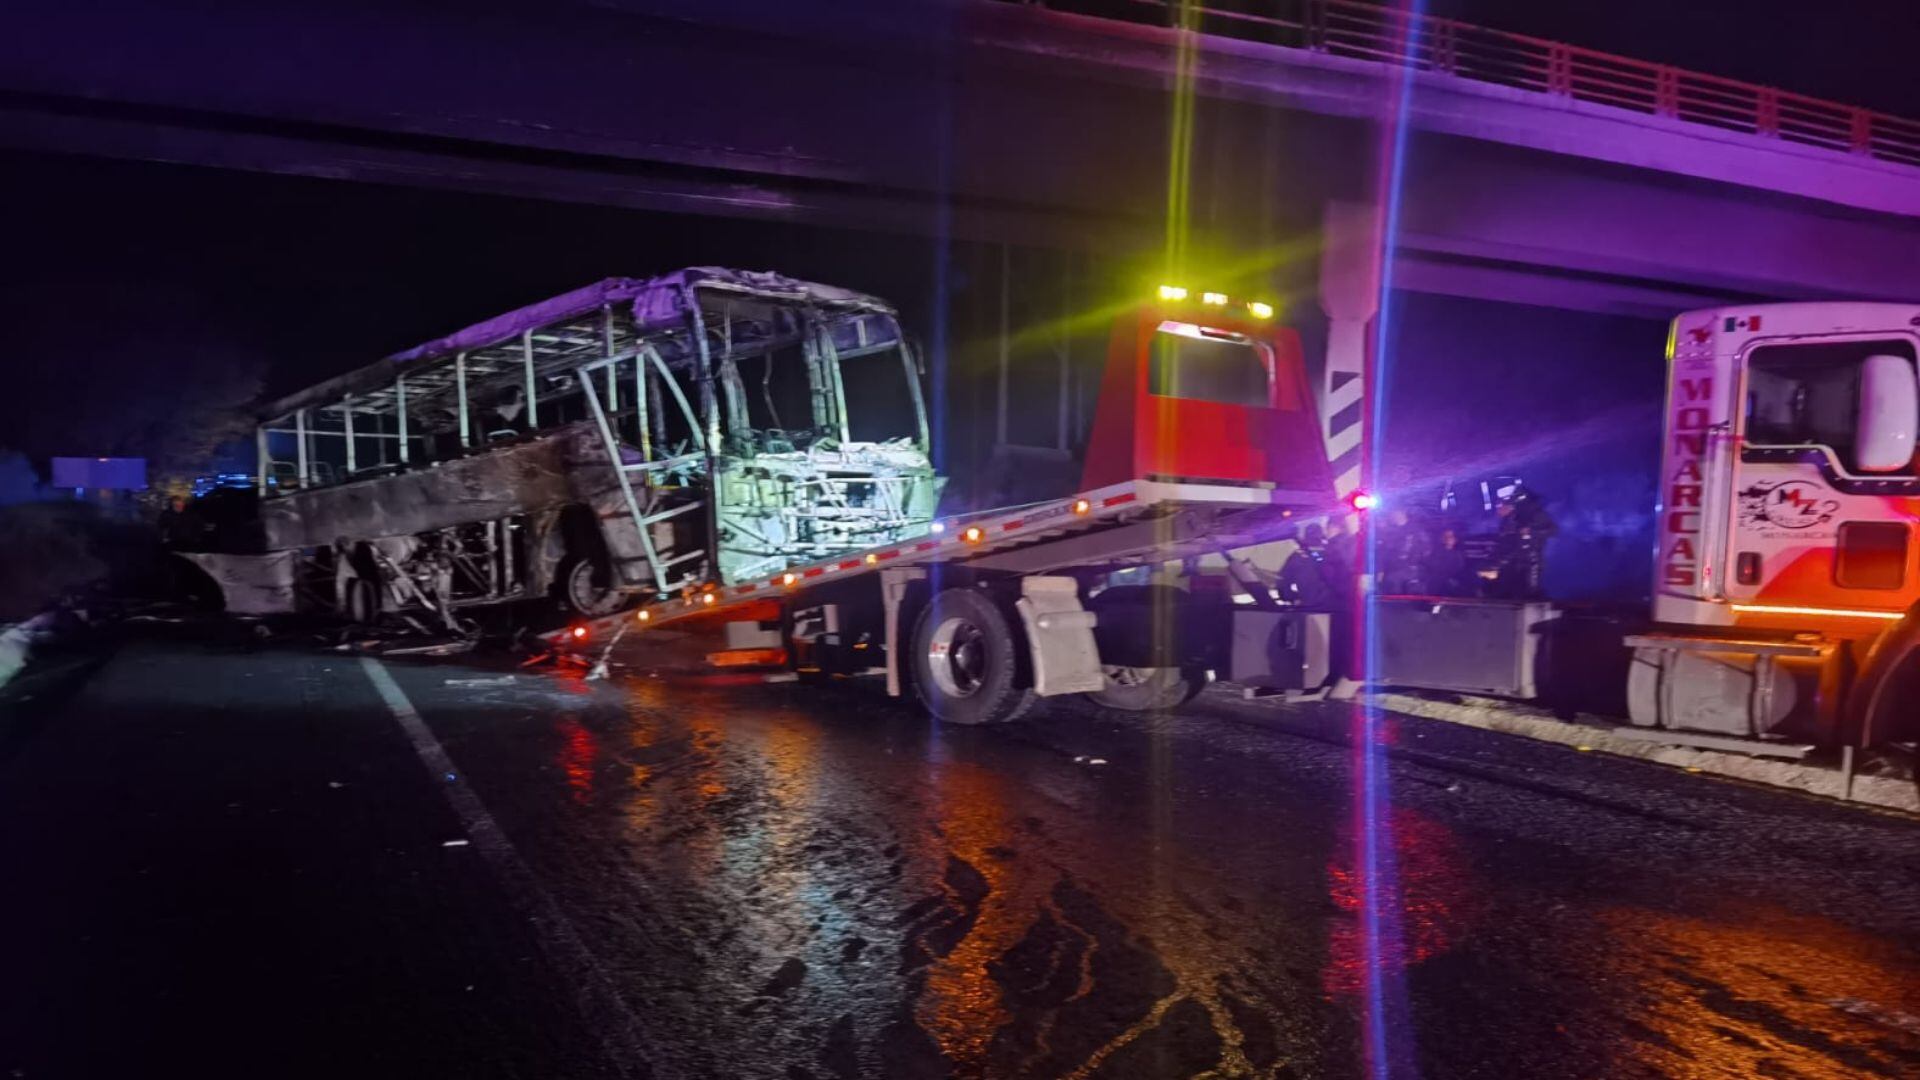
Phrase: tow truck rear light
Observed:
(1362, 501)
(579, 633)
(973, 535)
(1216, 298)
(1746, 569)
(1082, 506)
(1259, 310)
(1173, 292)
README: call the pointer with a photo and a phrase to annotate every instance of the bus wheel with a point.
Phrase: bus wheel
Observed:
(585, 588)
(966, 660)
(1146, 689)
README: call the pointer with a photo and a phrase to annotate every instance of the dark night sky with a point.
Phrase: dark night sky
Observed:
(115, 271)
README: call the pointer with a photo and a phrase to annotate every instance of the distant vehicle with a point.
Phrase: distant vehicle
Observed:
(206, 485)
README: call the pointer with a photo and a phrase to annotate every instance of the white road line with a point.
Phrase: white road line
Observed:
(599, 1001)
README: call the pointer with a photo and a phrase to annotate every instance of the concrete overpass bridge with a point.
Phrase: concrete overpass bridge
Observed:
(1537, 173)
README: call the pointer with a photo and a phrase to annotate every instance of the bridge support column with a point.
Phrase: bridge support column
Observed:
(1350, 296)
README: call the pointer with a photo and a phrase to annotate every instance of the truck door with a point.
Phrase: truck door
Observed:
(1824, 488)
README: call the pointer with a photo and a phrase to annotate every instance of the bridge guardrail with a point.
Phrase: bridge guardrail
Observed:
(1366, 31)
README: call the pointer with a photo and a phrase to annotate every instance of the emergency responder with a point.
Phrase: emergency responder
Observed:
(1303, 578)
(1447, 571)
(1524, 531)
(1404, 548)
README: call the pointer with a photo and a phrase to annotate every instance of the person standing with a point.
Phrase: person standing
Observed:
(1447, 571)
(1525, 528)
(1404, 549)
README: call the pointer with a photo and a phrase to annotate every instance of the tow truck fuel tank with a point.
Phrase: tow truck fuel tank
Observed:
(1469, 646)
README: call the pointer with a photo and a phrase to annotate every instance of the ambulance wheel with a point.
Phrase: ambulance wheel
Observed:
(966, 660)
(1148, 689)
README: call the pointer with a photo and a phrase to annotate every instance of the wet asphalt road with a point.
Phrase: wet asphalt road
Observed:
(222, 862)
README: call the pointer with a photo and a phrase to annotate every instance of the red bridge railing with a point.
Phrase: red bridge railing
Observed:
(1372, 32)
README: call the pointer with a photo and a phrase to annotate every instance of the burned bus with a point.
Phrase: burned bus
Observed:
(627, 440)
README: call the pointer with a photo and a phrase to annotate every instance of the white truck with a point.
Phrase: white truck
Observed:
(1787, 590)
(1786, 602)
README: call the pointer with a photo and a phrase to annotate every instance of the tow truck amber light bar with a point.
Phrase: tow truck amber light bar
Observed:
(1818, 612)
(1259, 309)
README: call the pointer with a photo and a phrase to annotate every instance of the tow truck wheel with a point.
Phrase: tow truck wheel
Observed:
(1881, 705)
(1145, 689)
(966, 660)
(585, 588)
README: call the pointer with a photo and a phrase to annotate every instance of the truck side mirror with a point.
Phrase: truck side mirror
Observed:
(1889, 414)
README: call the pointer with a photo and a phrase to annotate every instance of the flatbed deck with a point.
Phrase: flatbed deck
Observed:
(1127, 524)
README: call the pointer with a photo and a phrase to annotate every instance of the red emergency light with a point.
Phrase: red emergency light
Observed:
(1362, 501)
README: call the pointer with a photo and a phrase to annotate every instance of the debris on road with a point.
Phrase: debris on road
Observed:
(435, 648)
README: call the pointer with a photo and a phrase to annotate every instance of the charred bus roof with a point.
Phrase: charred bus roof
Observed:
(661, 309)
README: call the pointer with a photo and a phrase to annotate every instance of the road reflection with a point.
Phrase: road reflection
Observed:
(992, 906)
(1759, 992)
(1428, 897)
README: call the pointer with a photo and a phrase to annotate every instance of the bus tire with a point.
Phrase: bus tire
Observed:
(1148, 689)
(586, 589)
(966, 660)
(362, 600)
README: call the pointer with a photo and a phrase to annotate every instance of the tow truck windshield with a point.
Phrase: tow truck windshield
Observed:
(1202, 365)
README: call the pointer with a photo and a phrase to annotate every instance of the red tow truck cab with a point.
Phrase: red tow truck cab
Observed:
(1203, 389)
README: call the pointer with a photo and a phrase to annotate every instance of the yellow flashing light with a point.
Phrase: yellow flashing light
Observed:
(644, 615)
(1818, 612)
(1173, 292)
(1259, 310)
(973, 535)
(706, 598)
(872, 558)
(789, 578)
(1082, 506)
(1215, 298)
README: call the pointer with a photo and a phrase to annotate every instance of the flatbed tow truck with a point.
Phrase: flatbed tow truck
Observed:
(1203, 441)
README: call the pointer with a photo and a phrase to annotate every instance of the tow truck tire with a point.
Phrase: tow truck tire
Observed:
(966, 660)
(1881, 706)
(1148, 689)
